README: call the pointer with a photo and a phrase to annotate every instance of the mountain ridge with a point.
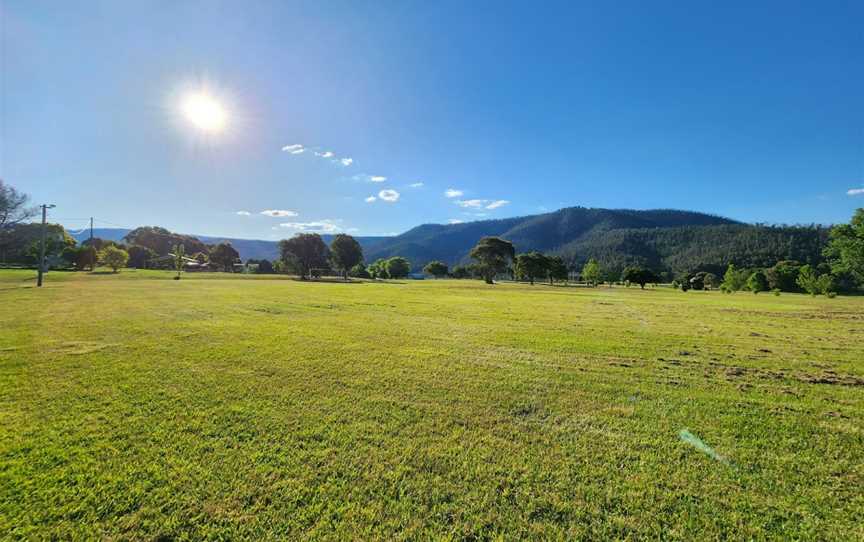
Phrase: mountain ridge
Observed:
(664, 239)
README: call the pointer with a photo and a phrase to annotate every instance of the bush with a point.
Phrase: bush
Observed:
(776, 291)
(114, 257)
(831, 295)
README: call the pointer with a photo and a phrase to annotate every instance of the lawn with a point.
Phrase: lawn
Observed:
(231, 407)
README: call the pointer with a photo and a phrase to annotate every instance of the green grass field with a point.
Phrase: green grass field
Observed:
(231, 407)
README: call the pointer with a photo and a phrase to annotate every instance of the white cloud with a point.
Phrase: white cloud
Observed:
(325, 154)
(471, 203)
(365, 177)
(243, 213)
(346, 161)
(390, 196)
(497, 203)
(294, 149)
(320, 226)
(453, 193)
(455, 221)
(370, 199)
(855, 191)
(418, 184)
(278, 212)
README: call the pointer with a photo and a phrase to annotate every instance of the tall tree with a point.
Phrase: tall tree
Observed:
(304, 252)
(493, 255)
(436, 269)
(591, 272)
(345, 252)
(13, 206)
(557, 269)
(224, 255)
(845, 250)
(531, 265)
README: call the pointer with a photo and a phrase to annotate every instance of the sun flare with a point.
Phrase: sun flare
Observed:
(204, 112)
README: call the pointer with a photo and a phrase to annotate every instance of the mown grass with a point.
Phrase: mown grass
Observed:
(226, 407)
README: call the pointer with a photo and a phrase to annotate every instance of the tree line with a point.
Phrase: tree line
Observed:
(831, 260)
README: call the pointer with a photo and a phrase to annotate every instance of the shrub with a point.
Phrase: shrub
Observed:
(114, 257)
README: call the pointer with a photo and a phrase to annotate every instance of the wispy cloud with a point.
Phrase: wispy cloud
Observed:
(370, 199)
(418, 184)
(455, 221)
(299, 148)
(278, 212)
(453, 193)
(390, 196)
(471, 203)
(855, 191)
(365, 177)
(294, 149)
(243, 213)
(481, 203)
(326, 225)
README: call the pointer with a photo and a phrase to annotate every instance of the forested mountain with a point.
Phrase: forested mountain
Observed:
(697, 248)
(665, 240)
(546, 232)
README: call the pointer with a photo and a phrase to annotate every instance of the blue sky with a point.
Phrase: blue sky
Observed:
(752, 110)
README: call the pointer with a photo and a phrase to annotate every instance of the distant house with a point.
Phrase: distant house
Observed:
(167, 262)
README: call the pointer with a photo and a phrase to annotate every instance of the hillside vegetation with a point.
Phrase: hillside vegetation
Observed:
(226, 406)
(667, 240)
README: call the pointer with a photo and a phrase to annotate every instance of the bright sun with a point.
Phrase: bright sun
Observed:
(204, 112)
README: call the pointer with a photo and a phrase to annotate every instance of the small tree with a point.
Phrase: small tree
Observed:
(113, 257)
(640, 276)
(531, 265)
(303, 252)
(734, 279)
(436, 269)
(398, 267)
(378, 269)
(493, 255)
(225, 256)
(591, 272)
(461, 272)
(557, 269)
(757, 282)
(359, 271)
(345, 252)
(179, 257)
(139, 256)
(784, 276)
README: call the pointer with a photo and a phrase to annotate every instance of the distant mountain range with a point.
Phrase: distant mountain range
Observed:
(668, 240)
(248, 248)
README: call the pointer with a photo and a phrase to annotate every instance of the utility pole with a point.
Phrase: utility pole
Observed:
(92, 248)
(42, 246)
